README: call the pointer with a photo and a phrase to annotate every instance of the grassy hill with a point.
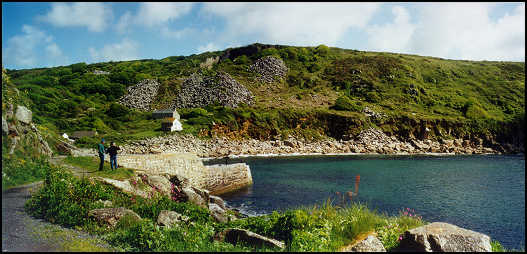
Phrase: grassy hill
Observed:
(324, 93)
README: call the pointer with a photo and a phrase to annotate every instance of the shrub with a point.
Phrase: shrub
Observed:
(54, 202)
(345, 103)
(117, 110)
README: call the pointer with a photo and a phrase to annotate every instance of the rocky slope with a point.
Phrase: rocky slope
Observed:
(269, 68)
(141, 95)
(368, 141)
(199, 91)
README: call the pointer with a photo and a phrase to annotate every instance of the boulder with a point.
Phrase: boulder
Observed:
(197, 196)
(170, 218)
(444, 237)
(218, 201)
(23, 114)
(234, 235)
(218, 213)
(111, 216)
(159, 182)
(124, 186)
(370, 244)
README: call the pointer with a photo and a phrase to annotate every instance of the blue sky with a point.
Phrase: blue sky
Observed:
(52, 34)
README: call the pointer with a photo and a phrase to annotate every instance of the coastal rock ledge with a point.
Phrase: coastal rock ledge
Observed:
(444, 237)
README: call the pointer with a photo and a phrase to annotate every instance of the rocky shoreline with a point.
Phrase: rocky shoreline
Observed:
(371, 141)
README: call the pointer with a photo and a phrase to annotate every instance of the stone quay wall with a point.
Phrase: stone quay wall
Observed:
(217, 179)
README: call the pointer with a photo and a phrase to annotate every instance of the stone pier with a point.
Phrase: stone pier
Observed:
(217, 179)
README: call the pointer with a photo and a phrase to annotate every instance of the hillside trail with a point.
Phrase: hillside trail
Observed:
(77, 171)
(22, 232)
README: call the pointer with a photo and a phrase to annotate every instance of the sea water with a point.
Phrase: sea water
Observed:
(484, 193)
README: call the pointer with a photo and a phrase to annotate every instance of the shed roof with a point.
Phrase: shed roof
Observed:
(164, 111)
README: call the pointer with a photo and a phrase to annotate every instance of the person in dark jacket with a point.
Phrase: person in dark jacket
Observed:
(112, 150)
(101, 150)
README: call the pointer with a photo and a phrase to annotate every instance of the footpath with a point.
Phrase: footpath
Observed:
(21, 232)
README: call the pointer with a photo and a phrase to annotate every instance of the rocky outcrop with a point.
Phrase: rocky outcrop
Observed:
(371, 141)
(444, 237)
(370, 244)
(269, 68)
(141, 95)
(170, 218)
(23, 114)
(235, 235)
(125, 186)
(197, 196)
(218, 213)
(200, 91)
(111, 216)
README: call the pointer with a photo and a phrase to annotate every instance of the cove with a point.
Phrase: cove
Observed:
(484, 193)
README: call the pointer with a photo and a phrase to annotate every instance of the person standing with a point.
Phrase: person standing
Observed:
(101, 150)
(112, 150)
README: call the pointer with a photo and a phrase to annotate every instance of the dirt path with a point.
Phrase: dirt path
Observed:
(21, 232)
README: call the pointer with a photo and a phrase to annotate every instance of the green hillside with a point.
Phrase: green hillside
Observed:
(324, 94)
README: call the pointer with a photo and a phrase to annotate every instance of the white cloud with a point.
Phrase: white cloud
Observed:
(292, 23)
(95, 16)
(124, 22)
(168, 33)
(208, 48)
(158, 16)
(392, 37)
(125, 50)
(465, 31)
(151, 14)
(22, 50)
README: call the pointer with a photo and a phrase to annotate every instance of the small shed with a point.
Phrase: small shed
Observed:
(80, 134)
(166, 123)
(165, 113)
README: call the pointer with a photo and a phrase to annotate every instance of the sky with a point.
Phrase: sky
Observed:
(49, 34)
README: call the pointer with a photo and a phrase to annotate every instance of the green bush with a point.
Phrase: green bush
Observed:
(345, 103)
(17, 170)
(53, 202)
(117, 110)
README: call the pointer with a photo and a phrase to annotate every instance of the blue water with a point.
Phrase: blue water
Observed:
(484, 193)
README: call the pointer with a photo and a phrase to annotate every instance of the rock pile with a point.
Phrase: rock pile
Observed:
(141, 95)
(199, 91)
(269, 68)
(368, 141)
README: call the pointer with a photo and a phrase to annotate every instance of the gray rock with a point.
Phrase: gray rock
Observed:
(370, 244)
(218, 213)
(197, 196)
(199, 91)
(5, 128)
(141, 95)
(218, 201)
(170, 218)
(111, 216)
(23, 114)
(444, 237)
(159, 182)
(234, 235)
(269, 67)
